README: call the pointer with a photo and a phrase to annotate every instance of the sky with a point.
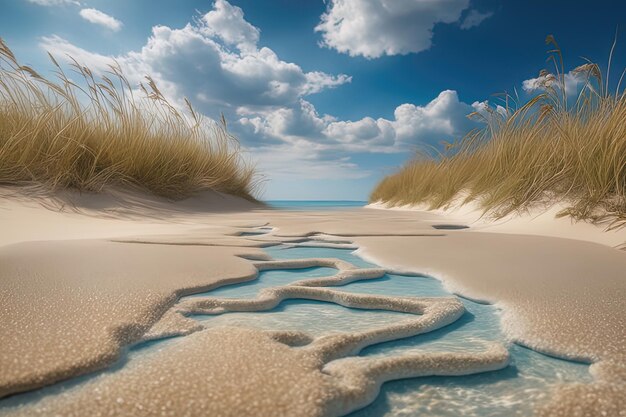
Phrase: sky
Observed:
(326, 97)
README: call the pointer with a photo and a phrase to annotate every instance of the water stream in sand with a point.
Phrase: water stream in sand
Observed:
(510, 392)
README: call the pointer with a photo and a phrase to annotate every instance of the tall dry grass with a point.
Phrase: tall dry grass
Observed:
(553, 148)
(96, 132)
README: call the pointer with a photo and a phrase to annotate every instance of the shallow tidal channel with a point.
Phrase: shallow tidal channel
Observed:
(512, 391)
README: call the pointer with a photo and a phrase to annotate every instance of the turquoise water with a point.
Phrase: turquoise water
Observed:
(314, 204)
(509, 392)
(266, 279)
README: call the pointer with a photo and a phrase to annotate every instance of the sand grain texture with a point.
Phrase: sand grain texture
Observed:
(68, 307)
(560, 296)
(563, 297)
(253, 375)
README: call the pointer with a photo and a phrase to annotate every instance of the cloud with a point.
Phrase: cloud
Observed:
(288, 124)
(227, 22)
(97, 17)
(372, 28)
(367, 132)
(63, 49)
(302, 162)
(223, 72)
(218, 72)
(474, 18)
(543, 82)
(443, 118)
(54, 2)
(264, 98)
(488, 111)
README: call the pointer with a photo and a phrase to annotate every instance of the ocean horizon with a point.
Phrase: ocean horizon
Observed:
(314, 204)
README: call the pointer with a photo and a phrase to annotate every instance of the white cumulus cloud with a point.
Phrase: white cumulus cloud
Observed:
(571, 80)
(443, 118)
(217, 70)
(474, 18)
(61, 48)
(54, 2)
(372, 28)
(364, 133)
(227, 22)
(264, 97)
(97, 17)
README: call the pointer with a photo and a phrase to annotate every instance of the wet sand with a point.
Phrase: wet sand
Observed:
(238, 372)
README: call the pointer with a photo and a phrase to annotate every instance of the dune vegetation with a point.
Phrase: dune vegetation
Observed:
(88, 132)
(553, 148)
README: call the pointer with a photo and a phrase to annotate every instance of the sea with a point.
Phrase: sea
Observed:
(314, 204)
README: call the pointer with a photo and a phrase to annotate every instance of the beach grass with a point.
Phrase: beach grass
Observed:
(88, 132)
(553, 148)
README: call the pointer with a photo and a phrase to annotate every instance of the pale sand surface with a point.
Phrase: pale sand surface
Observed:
(560, 296)
(24, 218)
(68, 307)
(537, 221)
(73, 304)
(191, 378)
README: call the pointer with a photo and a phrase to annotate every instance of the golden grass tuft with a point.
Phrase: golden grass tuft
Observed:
(545, 151)
(95, 133)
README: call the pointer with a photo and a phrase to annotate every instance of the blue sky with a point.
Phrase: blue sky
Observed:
(326, 97)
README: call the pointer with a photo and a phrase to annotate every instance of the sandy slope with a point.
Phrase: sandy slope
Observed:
(538, 221)
(78, 286)
(32, 216)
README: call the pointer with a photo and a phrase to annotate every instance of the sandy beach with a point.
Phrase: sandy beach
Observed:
(342, 208)
(89, 281)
